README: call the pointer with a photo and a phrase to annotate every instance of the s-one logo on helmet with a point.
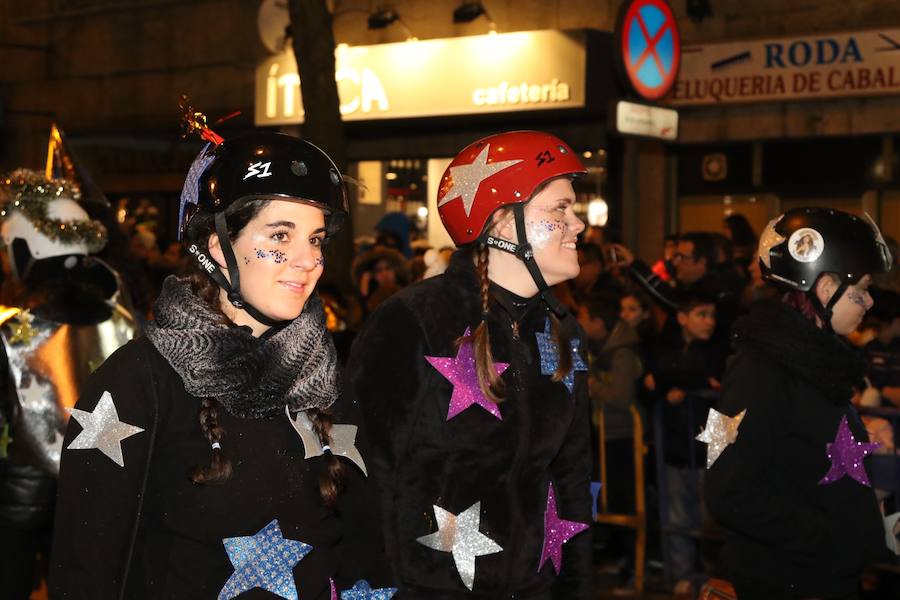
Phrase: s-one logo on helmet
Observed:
(204, 261)
(254, 169)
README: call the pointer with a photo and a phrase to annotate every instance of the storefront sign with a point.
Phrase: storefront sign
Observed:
(650, 47)
(863, 63)
(530, 70)
(646, 121)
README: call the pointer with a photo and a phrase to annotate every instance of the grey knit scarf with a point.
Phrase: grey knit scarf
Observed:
(252, 377)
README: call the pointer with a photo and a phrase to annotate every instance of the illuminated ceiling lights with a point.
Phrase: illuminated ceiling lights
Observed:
(384, 17)
(469, 11)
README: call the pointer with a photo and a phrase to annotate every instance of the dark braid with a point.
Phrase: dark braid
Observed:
(491, 384)
(564, 344)
(331, 481)
(219, 468)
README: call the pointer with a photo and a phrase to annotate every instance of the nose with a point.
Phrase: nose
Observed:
(575, 224)
(305, 256)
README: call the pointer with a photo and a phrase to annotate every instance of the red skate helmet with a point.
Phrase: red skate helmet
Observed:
(499, 170)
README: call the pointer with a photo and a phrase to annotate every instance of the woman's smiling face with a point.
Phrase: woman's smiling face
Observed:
(279, 254)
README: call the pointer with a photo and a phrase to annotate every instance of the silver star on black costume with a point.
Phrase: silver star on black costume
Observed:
(343, 440)
(720, 431)
(467, 178)
(102, 429)
(459, 535)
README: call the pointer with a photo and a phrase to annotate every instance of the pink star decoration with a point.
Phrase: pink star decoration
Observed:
(847, 455)
(462, 373)
(556, 533)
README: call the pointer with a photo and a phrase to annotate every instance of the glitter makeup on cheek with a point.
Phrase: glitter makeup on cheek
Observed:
(320, 261)
(276, 255)
(540, 232)
(858, 298)
(246, 260)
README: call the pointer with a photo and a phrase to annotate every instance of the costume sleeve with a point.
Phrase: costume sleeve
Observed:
(105, 456)
(362, 545)
(740, 491)
(571, 472)
(386, 370)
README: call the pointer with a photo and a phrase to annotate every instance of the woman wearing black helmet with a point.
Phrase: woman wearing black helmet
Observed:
(787, 475)
(203, 457)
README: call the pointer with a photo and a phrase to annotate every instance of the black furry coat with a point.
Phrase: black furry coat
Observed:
(421, 459)
(786, 531)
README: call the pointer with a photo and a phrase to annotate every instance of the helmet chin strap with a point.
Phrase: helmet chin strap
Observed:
(524, 252)
(233, 288)
(827, 311)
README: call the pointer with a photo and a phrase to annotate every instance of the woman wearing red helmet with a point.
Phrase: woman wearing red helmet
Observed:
(473, 389)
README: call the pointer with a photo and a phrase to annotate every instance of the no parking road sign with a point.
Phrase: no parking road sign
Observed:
(650, 47)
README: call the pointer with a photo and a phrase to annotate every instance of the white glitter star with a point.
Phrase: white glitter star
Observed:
(460, 536)
(467, 178)
(102, 429)
(720, 431)
(343, 440)
(768, 240)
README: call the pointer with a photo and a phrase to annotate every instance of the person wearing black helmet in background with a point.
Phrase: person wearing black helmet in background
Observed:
(217, 456)
(786, 453)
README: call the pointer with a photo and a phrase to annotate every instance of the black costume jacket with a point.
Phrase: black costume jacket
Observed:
(144, 531)
(421, 459)
(787, 530)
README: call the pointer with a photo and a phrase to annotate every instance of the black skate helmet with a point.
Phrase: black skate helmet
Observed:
(802, 244)
(261, 165)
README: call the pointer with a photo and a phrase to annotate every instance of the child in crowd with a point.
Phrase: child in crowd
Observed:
(685, 370)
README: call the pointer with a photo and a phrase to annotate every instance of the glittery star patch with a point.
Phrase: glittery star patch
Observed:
(467, 178)
(362, 591)
(102, 429)
(556, 533)
(847, 455)
(459, 535)
(462, 373)
(550, 356)
(720, 431)
(264, 560)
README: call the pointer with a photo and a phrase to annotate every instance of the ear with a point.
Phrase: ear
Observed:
(682, 318)
(825, 288)
(504, 224)
(215, 251)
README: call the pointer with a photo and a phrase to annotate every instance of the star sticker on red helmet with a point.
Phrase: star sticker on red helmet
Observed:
(467, 178)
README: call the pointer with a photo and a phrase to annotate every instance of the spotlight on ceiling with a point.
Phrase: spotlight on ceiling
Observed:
(380, 19)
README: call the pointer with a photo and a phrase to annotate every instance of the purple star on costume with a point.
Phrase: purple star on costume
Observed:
(847, 455)
(362, 591)
(550, 356)
(265, 560)
(556, 533)
(461, 372)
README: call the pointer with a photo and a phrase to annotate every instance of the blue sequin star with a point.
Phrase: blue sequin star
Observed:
(265, 560)
(362, 591)
(595, 490)
(550, 356)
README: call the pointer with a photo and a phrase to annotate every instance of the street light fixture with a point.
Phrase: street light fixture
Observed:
(468, 11)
